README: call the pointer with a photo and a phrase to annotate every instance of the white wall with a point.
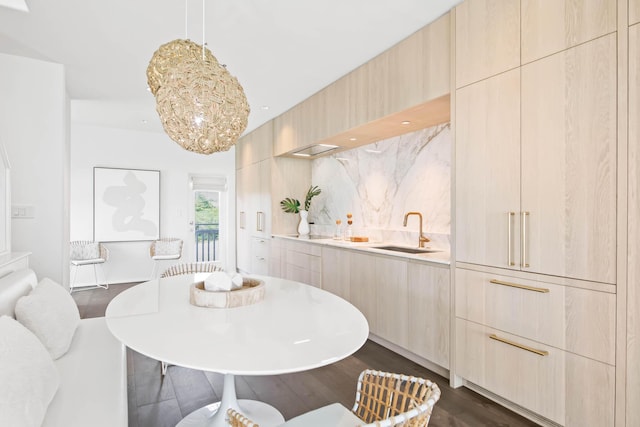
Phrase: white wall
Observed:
(33, 128)
(121, 148)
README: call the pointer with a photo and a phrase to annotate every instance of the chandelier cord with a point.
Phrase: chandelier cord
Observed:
(203, 29)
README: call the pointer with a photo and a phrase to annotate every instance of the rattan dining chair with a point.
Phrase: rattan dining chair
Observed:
(188, 268)
(191, 268)
(236, 419)
(165, 249)
(383, 399)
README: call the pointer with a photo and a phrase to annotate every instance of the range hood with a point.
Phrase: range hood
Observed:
(315, 150)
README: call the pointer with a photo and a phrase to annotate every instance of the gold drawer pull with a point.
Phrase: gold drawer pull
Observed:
(516, 285)
(522, 346)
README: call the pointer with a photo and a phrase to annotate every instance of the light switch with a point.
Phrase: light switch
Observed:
(22, 211)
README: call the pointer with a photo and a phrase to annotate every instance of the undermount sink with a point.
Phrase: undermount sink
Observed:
(406, 250)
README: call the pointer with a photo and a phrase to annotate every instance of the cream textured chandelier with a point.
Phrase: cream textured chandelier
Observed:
(201, 105)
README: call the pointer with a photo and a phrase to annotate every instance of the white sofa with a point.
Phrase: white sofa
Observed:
(93, 372)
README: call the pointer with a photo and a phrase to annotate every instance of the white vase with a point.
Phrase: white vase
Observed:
(303, 226)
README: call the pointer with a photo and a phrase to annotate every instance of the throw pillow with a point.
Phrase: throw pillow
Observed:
(28, 376)
(50, 312)
(168, 247)
(85, 251)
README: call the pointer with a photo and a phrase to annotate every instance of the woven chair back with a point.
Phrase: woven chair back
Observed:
(394, 399)
(82, 249)
(236, 419)
(173, 244)
(191, 268)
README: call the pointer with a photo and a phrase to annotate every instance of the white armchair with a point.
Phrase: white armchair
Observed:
(165, 249)
(87, 252)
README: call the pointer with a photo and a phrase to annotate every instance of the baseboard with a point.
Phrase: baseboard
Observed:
(411, 356)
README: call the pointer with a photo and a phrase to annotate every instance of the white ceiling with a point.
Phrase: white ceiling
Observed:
(281, 51)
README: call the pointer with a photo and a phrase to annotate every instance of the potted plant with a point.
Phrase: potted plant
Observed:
(290, 205)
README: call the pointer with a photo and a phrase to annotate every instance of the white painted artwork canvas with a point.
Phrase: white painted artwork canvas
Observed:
(126, 204)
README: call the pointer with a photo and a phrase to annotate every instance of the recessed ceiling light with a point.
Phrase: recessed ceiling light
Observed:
(353, 139)
(406, 122)
(265, 107)
(144, 121)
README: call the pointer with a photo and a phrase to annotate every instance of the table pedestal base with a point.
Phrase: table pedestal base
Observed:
(259, 412)
(215, 415)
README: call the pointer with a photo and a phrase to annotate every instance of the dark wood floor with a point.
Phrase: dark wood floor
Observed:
(157, 402)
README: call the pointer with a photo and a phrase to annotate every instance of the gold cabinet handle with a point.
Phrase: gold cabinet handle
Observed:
(509, 220)
(525, 264)
(519, 286)
(259, 221)
(522, 346)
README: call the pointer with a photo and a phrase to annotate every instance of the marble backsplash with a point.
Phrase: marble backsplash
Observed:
(380, 182)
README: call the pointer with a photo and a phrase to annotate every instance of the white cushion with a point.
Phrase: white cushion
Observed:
(334, 415)
(93, 380)
(51, 314)
(85, 251)
(13, 286)
(28, 376)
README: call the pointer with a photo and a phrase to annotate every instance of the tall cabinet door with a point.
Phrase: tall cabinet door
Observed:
(488, 171)
(569, 162)
(243, 236)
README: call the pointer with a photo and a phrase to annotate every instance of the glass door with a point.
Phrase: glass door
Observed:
(206, 225)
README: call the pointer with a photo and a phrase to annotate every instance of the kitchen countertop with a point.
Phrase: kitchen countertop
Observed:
(439, 257)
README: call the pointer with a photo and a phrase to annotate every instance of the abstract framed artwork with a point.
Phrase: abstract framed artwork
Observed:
(126, 204)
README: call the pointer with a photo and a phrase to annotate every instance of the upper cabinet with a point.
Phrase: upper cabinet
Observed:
(536, 163)
(634, 12)
(416, 71)
(255, 146)
(549, 26)
(569, 140)
(487, 39)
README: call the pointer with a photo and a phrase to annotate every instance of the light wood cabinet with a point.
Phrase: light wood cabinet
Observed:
(392, 299)
(634, 13)
(413, 72)
(549, 26)
(488, 171)
(406, 303)
(260, 253)
(336, 272)
(568, 162)
(560, 219)
(243, 236)
(580, 321)
(536, 191)
(302, 262)
(363, 289)
(428, 322)
(262, 181)
(633, 228)
(487, 39)
(564, 387)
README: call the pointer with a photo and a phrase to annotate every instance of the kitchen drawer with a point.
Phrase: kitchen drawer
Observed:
(566, 388)
(260, 247)
(303, 247)
(578, 320)
(303, 260)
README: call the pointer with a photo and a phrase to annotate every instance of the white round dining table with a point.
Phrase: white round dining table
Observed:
(295, 327)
